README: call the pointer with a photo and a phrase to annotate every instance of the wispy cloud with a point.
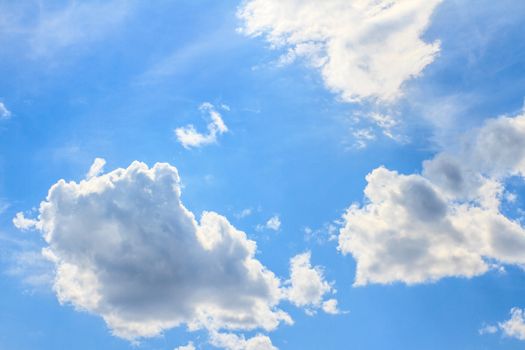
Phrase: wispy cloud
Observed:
(4, 112)
(189, 137)
(244, 213)
(273, 223)
(53, 29)
(96, 168)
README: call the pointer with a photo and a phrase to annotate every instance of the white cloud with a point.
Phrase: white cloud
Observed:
(189, 137)
(4, 112)
(488, 329)
(23, 223)
(330, 307)
(189, 346)
(96, 168)
(445, 221)
(515, 326)
(307, 285)
(127, 249)
(363, 49)
(274, 223)
(229, 341)
(386, 123)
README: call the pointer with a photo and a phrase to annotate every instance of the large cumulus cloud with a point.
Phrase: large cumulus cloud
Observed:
(127, 249)
(363, 48)
(445, 221)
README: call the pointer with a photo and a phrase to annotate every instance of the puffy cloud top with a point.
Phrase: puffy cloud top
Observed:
(363, 48)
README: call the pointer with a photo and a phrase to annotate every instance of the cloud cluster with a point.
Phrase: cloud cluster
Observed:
(307, 285)
(189, 137)
(515, 326)
(445, 221)
(127, 249)
(96, 168)
(363, 48)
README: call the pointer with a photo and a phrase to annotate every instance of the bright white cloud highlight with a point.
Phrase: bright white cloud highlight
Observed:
(363, 48)
(307, 284)
(189, 137)
(445, 221)
(96, 168)
(229, 341)
(127, 249)
(4, 112)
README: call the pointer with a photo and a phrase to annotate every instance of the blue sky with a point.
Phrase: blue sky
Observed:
(313, 97)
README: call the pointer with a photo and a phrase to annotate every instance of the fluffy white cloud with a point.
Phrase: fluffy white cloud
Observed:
(23, 223)
(515, 326)
(229, 341)
(127, 249)
(307, 285)
(96, 168)
(445, 221)
(330, 307)
(189, 137)
(363, 48)
(4, 112)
